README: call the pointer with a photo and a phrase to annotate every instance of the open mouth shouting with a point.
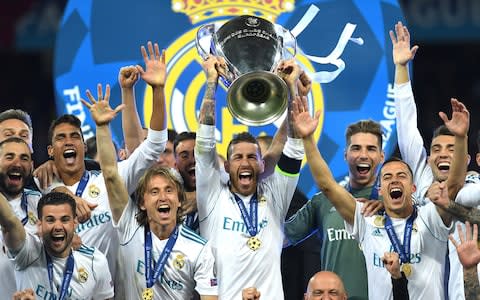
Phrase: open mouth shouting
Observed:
(164, 210)
(443, 166)
(70, 155)
(363, 168)
(58, 239)
(245, 177)
(396, 195)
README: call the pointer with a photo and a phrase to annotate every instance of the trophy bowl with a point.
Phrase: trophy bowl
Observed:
(252, 48)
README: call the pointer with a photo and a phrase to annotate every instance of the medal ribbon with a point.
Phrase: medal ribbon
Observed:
(67, 276)
(373, 193)
(162, 260)
(403, 252)
(82, 184)
(192, 221)
(251, 220)
(24, 206)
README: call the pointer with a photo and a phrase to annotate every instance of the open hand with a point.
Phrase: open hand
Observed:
(101, 111)
(402, 53)
(155, 73)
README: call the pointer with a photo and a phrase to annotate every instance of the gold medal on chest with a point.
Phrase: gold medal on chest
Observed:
(147, 294)
(379, 221)
(407, 269)
(254, 243)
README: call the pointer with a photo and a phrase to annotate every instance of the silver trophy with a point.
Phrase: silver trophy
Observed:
(252, 48)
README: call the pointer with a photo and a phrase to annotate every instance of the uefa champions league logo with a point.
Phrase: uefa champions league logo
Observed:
(90, 51)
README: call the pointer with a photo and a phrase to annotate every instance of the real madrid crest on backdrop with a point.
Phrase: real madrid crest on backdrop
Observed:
(90, 50)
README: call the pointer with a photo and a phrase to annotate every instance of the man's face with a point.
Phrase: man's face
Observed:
(15, 127)
(167, 158)
(15, 168)
(185, 161)
(57, 228)
(325, 287)
(441, 153)
(161, 202)
(363, 156)
(244, 166)
(397, 187)
(67, 149)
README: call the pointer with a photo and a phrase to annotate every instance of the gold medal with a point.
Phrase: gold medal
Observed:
(93, 191)
(379, 221)
(407, 269)
(147, 294)
(254, 243)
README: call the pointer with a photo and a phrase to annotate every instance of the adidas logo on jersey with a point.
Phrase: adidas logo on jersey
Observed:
(377, 232)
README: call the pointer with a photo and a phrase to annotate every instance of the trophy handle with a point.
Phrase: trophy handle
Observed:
(288, 41)
(203, 32)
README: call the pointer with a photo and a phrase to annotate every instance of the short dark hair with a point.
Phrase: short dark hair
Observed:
(67, 118)
(441, 130)
(183, 136)
(396, 159)
(56, 198)
(164, 172)
(17, 114)
(14, 139)
(240, 138)
(171, 135)
(364, 126)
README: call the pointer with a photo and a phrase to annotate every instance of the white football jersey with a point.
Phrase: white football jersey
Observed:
(428, 248)
(7, 280)
(189, 267)
(222, 225)
(91, 278)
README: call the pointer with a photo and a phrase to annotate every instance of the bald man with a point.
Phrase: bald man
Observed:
(325, 285)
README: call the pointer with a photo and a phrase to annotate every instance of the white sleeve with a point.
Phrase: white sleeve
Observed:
(29, 253)
(432, 220)
(206, 282)
(103, 278)
(469, 195)
(142, 158)
(357, 230)
(207, 171)
(410, 142)
(127, 224)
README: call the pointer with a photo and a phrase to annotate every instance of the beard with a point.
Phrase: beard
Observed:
(12, 190)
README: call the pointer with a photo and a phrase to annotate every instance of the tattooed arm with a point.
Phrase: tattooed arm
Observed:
(469, 256)
(213, 67)
(463, 213)
(290, 72)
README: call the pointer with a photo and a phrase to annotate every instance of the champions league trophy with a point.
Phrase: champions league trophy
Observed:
(252, 48)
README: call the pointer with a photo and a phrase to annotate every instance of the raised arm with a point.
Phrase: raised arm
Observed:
(212, 66)
(155, 74)
(103, 114)
(402, 53)
(469, 256)
(290, 72)
(13, 232)
(132, 128)
(305, 125)
(458, 125)
(271, 157)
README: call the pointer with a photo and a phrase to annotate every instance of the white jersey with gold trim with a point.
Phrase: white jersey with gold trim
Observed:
(91, 278)
(7, 279)
(189, 267)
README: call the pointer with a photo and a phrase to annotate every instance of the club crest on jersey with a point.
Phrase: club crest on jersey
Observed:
(82, 275)
(179, 261)
(93, 191)
(262, 200)
(32, 219)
